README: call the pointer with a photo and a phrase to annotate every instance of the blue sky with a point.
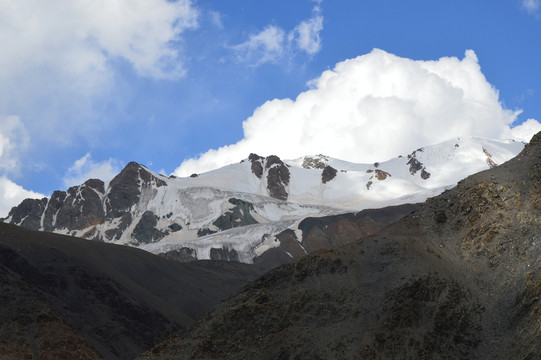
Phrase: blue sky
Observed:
(87, 87)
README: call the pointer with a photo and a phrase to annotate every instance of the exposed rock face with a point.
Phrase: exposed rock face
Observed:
(224, 254)
(239, 215)
(125, 188)
(277, 174)
(382, 175)
(424, 174)
(328, 174)
(84, 206)
(378, 174)
(175, 227)
(490, 162)
(315, 162)
(330, 232)
(205, 232)
(458, 279)
(145, 231)
(28, 213)
(257, 164)
(277, 177)
(183, 255)
(335, 231)
(416, 165)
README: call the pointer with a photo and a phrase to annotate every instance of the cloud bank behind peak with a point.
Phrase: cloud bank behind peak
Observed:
(371, 108)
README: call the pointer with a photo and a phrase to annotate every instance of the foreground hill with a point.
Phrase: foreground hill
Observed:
(68, 298)
(458, 279)
(241, 211)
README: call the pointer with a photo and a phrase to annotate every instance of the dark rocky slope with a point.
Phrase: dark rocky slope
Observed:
(67, 298)
(330, 232)
(458, 279)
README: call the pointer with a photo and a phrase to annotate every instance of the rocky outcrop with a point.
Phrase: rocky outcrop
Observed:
(125, 188)
(183, 255)
(328, 174)
(490, 162)
(277, 174)
(224, 254)
(238, 215)
(28, 213)
(257, 164)
(416, 165)
(315, 162)
(145, 231)
(277, 177)
(382, 175)
(84, 206)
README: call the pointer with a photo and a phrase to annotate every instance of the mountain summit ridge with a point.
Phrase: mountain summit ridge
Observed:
(238, 211)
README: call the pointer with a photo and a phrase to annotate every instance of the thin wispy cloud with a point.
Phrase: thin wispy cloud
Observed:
(532, 6)
(265, 46)
(13, 140)
(216, 19)
(306, 35)
(273, 43)
(85, 168)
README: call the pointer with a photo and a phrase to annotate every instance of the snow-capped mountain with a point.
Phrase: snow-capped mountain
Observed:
(239, 211)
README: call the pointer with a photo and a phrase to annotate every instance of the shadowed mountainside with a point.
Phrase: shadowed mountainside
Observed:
(330, 232)
(458, 279)
(67, 298)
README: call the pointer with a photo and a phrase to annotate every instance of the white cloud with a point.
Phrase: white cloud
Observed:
(306, 34)
(12, 194)
(265, 46)
(531, 5)
(85, 168)
(525, 131)
(13, 140)
(81, 36)
(216, 19)
(271, 44)
(60, 57)
(372, 108)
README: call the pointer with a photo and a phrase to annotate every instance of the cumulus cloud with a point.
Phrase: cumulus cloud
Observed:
(13, 139)
(60, 57)
(12, 194)
(85, 168)
(81, 36)
(525, 131)
(372, 108)
(531, 5)
(271, 44)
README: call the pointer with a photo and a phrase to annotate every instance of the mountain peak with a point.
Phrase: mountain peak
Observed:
(142, 208)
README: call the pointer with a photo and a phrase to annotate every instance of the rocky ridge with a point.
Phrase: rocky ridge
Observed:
(240, 211)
